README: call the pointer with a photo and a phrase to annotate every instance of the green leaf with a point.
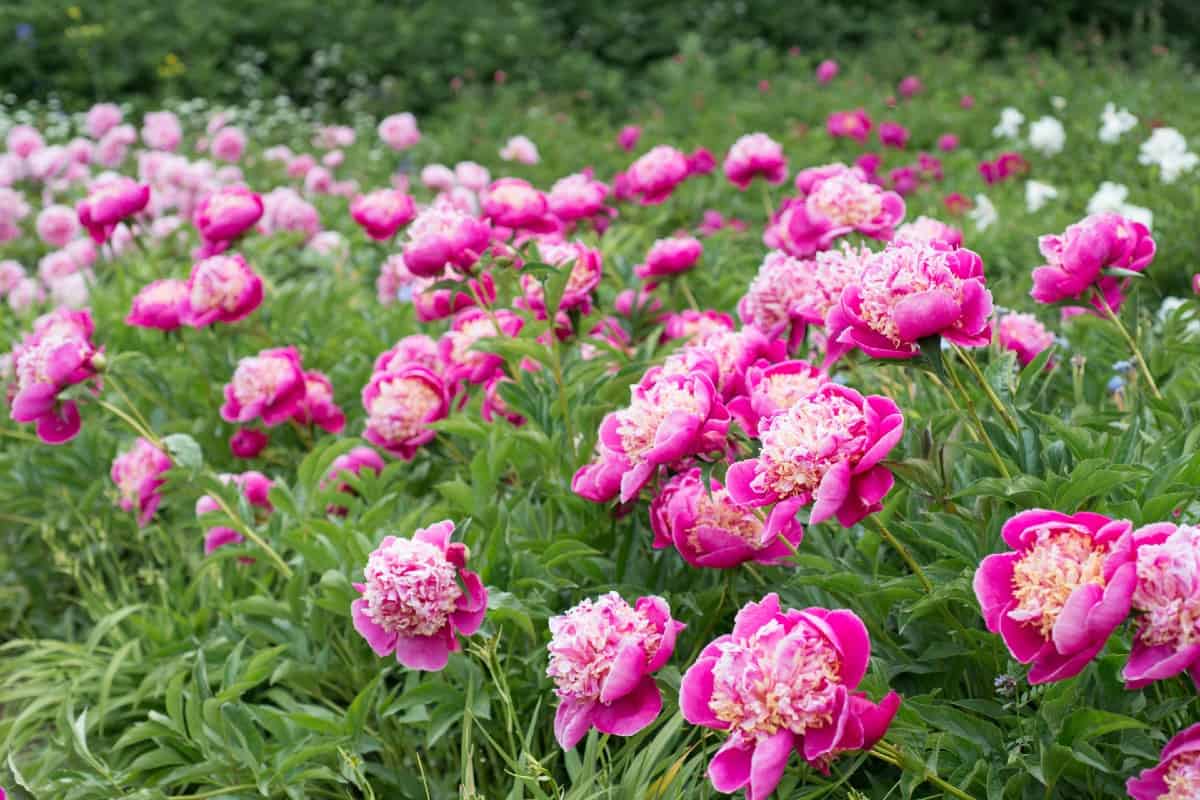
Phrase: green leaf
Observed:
(184, 451)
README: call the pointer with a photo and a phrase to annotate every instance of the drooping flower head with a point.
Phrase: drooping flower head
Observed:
(670, 256)
(269, 385)
(138, 474)
(1066, 585)
(1025, 335)
(442, 236)
(710, 530)
(400, 405)
(159, 305)
(753, 155)
(57, 355)
(824, 449)
(1076, 259)
(578, 196)
(227, 213)
(909, 292)
(108, 203)
(418, 597)
(603, 654)
(220, 288)
(655, 175)
(383, 212)
(1167, 598)
(1177, 775)
(783, 681)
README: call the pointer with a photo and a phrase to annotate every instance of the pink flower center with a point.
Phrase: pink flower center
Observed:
(1063, 559)
(260, 378)
(800, 445)
(585, 641)
(638, 424)
(401, 408)
(217, 283)
(846, 200)
(898, 272)
(164, 293)
(776, 680)
(778, 290)
(718, 511)
(410, 588)
(1183, 778)
(1168, 590)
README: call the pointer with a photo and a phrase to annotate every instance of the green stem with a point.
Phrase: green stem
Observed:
(1129, 340)
(987, 389)
(903, 552)
(137, 427)
(687, 293)
(979, 429)
(892, 755)
(246, 531)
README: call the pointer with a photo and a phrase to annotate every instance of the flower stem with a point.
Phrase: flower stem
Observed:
(987, 389)
(1137, 353)
(979, 429)
(246, 531)
(885, 751)
(903, 552)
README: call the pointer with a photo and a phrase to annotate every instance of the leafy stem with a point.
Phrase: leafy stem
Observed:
(1129, 340)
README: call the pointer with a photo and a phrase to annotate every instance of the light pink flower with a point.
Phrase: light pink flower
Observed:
(23, 141)
(1167, 598)
(318, 407)
(221, 289)
(285, 210)
(926, 230)
(57, 225)
(416, 348)
(56, 265)
(1077, 258)
(442, 236)
(227, 213)
(161, 130)
(300, 165)
(603, 654)
(692, 324)
(670, 256)
(351, 465)
(783, 681)
(383, 212)
(788, 293)
(1024, 335)
(25, 293)
(159, 305)
(520, 149)
(910, 86)
(418, 596)
(827, 70)
(472, 176)
(439, 177)
(1060, 593)
(138, 474)
(1177, 775)
(825, 449)
(228, 144)
(102, 118)
(753, 155)
(493, 405)
(655, 175)
(110, 202)
(269, 385)
(400, 405)
(515, 203)
(11, 273)
(431, 305)
(399, 131)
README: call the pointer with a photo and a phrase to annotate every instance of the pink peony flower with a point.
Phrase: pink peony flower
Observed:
(628, 137)
(399, 131)
(1167, 597)
(228, 145)
(416, 348)
(227, 213)
(57, 355)
(701, 161)
(577, 197)
(417, 596)
(1063, 589)
(603, 654)
(824, 449)
(1077, 258)
(586, 267)
(159, 305)
(11, 274)
(1177, 775)
(771, 388)
(752, 155)
(927, 230)
(102, 118)
(947, 142)
(441, 236)
(836, 205)
(247, 443)
(515, 203)
(731, 353)
(464, 363)
(285, 210)
(1003, 167)
(318, 407)
(854, 125)
(220, 289)
(138, 474)
(431, 305)
(827, 70)
(957, 203)
(710, 530)
(400, 405)
(910, 292)
(910, 86)
(383, 212)
(655, 175)
(57, 225)
(520, 149)
(893, 134)
(355, 462)
(108, 203)
(439, 177)
(1024, 335)
(255, 487)
(161, 131)
(269, 385)
(783, 681)
(691, 324)
(668, 257)
(23, 141)
(967, 101)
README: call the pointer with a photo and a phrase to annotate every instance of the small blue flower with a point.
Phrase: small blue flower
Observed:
(841, 379)
(24, 32)
(1116, 384)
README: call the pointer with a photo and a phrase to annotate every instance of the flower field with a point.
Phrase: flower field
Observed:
(827, 429)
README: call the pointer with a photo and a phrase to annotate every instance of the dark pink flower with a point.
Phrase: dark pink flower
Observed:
(753, 155)
(1024, 335)
(669, 257)
(256, 488)
(159, 305)
(400, 405)
(318, 407)
(138, 474)
(227, 213)
(1177, 775)
(1077, 258)
(578, 196)
(774, 387)
(854, 125)
(947, 142)
(269, 385)
(827, 70)
(586, 271)
(910, 86)
(893, 134)
(839, 201)
(515, 203)
(57, 355)
(220, 289)
(701, 161)
(383, 212)
(442, 236)
(461, 360)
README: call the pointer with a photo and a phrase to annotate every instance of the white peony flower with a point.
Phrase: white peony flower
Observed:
(1167, 149)
(1037, 194)
(1047, 136)
(984, 213)
(1010, 124)
(1114, 123)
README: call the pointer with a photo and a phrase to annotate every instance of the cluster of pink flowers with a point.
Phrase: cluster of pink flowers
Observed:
(57, 355)
(255, 487)
(1004, 166)
(833, 201)
(1077, 258)
(138, 474)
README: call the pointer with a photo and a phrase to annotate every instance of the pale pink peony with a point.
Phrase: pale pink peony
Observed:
(439, 177)
(383, 212)
(783, 681)
(754, 155)
(926, 230)
(102, 118)
(255, 487)
(1167, 598)
(1077, 258)
(221, 289)
(415, 348)
(23, 141)
(603, 654)
(269, 386)
(1024, 335)
(228, 145)
(399, 131)
(138, 474)
(472, 176)
(692, 324)
(161, 130)
(159, 305)
(57, 225)
(418, 596)
(400, 405)
(577, 197)
(1060, 593)
(1177, 775)
(285, 210)
(520, 149)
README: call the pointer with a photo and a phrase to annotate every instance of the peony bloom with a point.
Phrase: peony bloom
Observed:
(1177, 775)
(269, 385)
(220, 289)
(1024, 335)
(138, 474)
(417, 596)
(603, 654)
(1167, 149)
(285, 210)
(255, 487)
(669, 257)
(1066, 585)
(520, 149)
(515, 203)
(108, 203)
(893, 134)
(57, 355)
(628, 137)
(1047, 136)
(102, 118)
(910, 292)
(227, 213)
(983, 214)
(159, 305)
(461, 360)
(774, 387)
(247, 443)
(926, 230)
(441, 236)
(827, 70)
(577, 197)
(400, 404)
(431, 304)
(438, 177)
(383, 212)
(839, 201)
(1077, 258)
(910, 86)
(753, 155)
(1114, 124)
(318, 407)
(824, 449)
(161, 131)
(228, 144)
(947, 142)
(655, 175)
(783, 681)
(586, 267)
(710, 530)
(854, 125)
(57, 225)
(399, 131)
(701, 161)
(691, 324)
(1010, 124)
(23, 141)
(1167, 597)
(731, 353)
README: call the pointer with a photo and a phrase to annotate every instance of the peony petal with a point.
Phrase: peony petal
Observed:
(626, 672)
(381, 641)
(631, 712)
(572, 721)
(729, 769)
(768, 763)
